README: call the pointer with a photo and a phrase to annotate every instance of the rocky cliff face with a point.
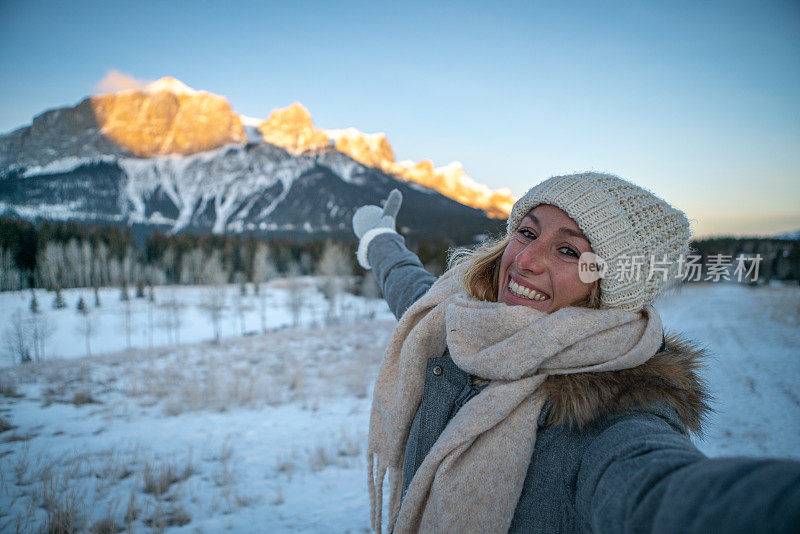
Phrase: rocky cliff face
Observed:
(253, 188)
(166, 117)
(169, 156)
(292, 128)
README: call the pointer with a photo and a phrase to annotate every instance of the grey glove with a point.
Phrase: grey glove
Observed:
(370, 221)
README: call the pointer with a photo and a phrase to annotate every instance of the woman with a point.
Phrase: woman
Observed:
(519, 392)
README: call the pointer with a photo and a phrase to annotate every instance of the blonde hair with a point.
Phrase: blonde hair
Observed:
(481, 271)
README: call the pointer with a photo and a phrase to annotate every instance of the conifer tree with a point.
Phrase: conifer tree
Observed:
(58, 300)
(34, 303)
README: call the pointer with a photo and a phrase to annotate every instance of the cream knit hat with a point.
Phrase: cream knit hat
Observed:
(627, 227)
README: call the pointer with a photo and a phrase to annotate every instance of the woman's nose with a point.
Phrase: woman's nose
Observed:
(533, 257)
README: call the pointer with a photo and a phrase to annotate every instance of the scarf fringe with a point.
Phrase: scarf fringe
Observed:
(375, 478)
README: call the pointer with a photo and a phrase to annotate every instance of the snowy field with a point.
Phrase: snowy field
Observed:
(266, 432)
(176, 314)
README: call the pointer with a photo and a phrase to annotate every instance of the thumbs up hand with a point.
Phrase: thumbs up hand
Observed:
(370, 221)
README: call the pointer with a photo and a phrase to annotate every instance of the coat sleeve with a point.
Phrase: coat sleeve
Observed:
(400, 273)
(641, 474)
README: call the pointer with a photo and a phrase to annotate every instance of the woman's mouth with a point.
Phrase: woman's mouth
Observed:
(525, 292)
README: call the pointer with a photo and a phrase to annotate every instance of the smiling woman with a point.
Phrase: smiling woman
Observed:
(539, 266)
(516, 395)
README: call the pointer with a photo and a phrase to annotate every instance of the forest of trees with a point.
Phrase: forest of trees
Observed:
(57, 255)
(60, 255)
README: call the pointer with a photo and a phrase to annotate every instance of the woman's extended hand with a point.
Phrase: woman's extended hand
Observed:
(369, 217)
(371, 220)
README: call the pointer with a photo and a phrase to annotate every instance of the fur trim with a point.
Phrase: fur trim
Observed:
(672, 375)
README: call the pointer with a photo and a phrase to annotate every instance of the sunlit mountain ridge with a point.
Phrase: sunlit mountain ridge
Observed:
(168, 117)
(169, 158)
(292, 128)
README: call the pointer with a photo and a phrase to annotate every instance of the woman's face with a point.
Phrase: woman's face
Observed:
(539, 267)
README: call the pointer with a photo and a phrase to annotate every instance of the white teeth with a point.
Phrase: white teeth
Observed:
(525, 292)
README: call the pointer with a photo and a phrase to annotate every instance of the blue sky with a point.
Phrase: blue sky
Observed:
(697, 101)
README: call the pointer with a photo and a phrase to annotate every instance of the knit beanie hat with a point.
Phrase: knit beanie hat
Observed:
(639, 236)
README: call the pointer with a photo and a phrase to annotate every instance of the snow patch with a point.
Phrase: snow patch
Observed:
(64, 165)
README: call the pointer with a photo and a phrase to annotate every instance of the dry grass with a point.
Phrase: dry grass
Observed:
(319, 458)
(342, 450)
(131, 510)
(159, 476)
(106, 525)
(348, 446)
(224, 473)
(15, 436)
(64, 494)
(8, 386)
(285, 466)
(88, 491)
(278, 499)
(63, 504)
(291, 365)
(167, 516)
(5, 425)
(83, 397)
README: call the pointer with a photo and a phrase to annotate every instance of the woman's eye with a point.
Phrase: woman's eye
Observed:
(569, 252)
(527, 233)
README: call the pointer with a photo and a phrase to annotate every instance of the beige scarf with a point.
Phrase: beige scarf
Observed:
(472, 477)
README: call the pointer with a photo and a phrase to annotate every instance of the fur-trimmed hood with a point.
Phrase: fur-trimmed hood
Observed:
(672, 375)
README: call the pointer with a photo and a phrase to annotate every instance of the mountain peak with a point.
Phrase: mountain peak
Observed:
(293, 128)
(166, 117)
(171, 85)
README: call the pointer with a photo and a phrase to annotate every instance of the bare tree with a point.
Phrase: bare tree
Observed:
(172, 317)
(100, 265)
(41, 331)
(86, 263)
(10, 276)
(294, 292)
(370, 290)
(49, 264)
(114, 272)
(87, 327)
(192, 267)
(151, 305)
(18, 339)
(240, 302)
(263, 271)
(213, 275)
(73, 261)
(334, 268)
(168, 266)
(127, 309)
(58, 300)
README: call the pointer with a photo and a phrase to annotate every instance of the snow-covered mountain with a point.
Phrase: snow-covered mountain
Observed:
(181, 159)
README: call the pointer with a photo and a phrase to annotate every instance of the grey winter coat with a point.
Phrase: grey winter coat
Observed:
(612, 451)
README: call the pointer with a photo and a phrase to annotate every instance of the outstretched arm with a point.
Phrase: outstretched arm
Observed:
(400, 274)
(641, 475)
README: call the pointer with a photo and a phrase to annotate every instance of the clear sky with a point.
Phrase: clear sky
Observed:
(697, 101)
